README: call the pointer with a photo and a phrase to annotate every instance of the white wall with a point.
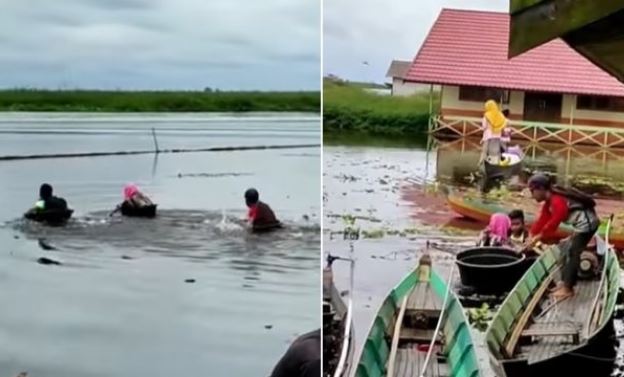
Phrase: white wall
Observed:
(403, 88)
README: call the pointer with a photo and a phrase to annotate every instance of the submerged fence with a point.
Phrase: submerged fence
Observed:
(157, 150)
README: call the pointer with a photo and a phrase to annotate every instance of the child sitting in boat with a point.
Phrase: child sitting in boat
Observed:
(518, 234)
(497, 232)
(134, 198)
(260, 215)
(47, 201)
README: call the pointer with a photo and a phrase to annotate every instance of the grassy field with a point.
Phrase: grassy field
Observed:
(157, 101)
(347, 108)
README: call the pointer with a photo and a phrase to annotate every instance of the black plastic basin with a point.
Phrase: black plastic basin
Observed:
(491, 270)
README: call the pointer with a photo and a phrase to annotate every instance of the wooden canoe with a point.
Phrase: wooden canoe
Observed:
(401, 333)
(51, 217)
(530, 336)
(338, 330)
(481, 210)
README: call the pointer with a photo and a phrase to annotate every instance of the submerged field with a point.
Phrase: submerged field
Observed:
(158, 101)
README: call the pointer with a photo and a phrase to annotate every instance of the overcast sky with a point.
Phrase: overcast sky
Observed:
(160, 44)
(379, 31)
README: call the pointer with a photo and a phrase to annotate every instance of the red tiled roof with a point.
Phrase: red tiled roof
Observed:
(470, 48)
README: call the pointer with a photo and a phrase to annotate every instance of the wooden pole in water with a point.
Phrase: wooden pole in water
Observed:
(156, 149)
(430, 99)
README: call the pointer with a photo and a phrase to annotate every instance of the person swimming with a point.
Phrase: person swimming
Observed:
(47, 201)
(260, 216)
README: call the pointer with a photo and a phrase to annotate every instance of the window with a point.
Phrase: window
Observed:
(481, 94)
(600, 103)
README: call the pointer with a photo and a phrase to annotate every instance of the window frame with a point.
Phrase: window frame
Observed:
(593, 103)
(471, 93)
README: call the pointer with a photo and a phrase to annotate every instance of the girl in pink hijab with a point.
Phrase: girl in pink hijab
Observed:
(134, 197)
(497, 232)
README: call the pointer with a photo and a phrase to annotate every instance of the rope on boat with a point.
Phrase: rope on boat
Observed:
(176, 150)
(440, 320)
(347, 330)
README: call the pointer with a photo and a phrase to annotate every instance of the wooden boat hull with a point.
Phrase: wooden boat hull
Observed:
(53, 217)
(478, 210)
(331, 356)
(601, 347)
(458, 348)
(592, 352)
(145, 211)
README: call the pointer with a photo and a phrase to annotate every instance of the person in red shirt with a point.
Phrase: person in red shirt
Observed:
(260, 215)
(559, 207)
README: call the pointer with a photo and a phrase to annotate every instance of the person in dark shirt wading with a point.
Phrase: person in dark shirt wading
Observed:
(47, 201)
(568, 206)
(260, 215)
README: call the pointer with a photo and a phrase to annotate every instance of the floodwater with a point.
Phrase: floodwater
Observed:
(385, 189)
(188, 293)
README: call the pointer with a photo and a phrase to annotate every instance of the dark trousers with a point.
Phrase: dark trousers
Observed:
(571, 250)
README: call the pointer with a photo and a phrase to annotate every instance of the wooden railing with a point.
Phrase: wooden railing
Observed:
(533, 132)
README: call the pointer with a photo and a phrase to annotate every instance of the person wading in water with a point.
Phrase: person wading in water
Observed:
(260, 215)
(47, 201)
(568, 206)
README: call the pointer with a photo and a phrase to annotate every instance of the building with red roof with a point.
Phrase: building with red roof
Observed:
(466, 53)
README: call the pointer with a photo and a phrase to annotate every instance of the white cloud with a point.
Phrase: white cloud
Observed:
(161, 44)
(379, 31)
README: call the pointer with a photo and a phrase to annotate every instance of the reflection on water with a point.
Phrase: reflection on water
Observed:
(187, 293)
(459, 159)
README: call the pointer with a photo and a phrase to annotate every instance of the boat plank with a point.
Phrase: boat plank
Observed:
(419, 335)
(423, 298)
(410, 361)
(524, 318)
(571, 312)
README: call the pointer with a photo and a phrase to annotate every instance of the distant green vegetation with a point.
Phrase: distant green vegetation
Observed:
(349, 109)
(157, 101)
(356, 139)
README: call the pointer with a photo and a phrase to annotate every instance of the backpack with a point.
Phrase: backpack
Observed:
(587, 201)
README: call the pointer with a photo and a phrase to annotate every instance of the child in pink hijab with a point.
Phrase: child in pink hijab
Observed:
(134, 197)
(497, 232)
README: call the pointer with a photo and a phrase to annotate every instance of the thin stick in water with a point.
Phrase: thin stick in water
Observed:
(156, 149)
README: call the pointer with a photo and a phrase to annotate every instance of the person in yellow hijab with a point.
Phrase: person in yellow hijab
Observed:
(495, 118)
(494, 121)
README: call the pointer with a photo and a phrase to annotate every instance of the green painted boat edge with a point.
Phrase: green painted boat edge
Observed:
(461, 357)
(503, 320)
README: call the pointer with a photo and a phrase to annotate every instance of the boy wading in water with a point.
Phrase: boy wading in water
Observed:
(260, 216)
(563, 206)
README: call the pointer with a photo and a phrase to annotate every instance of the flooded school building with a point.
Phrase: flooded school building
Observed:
(553, 93)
